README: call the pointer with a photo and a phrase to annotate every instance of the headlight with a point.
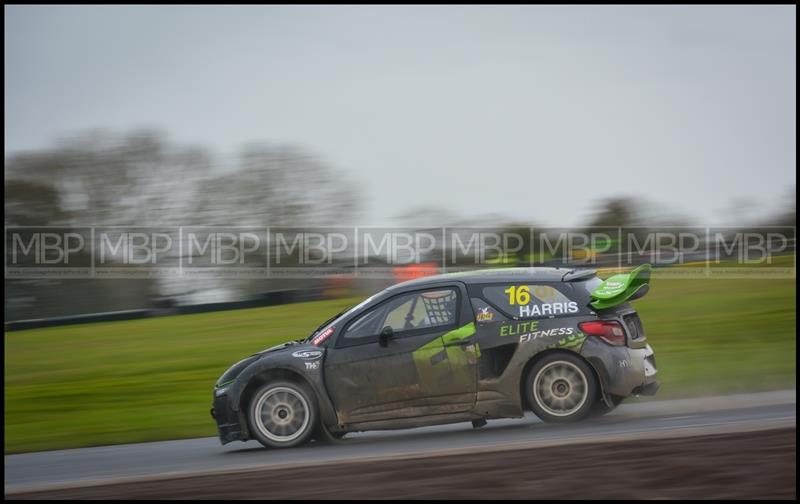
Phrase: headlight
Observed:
(220, 392)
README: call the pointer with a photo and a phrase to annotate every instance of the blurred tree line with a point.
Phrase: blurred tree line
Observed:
(141, 179)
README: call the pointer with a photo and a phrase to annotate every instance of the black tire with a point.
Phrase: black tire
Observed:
(283, 414)
(323, 435)
(601, 408)
(561, 388)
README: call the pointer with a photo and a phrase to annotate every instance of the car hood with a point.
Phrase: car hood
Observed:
(235, 370)
(278, 348)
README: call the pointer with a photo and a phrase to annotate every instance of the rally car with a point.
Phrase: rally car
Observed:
(457, 347)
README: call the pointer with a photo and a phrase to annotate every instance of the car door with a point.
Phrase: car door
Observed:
(427, 367)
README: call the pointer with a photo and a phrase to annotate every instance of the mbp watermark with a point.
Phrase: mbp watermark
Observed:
(223, 252)
(135, 252)
(467, 248)
(673, 251)
(589, 248)
(394, 253)
(311, 252)
(757, 251)
(45, 252)
(398, 253)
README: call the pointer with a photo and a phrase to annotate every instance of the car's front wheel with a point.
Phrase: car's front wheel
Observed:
(561, 388)
(283, 414)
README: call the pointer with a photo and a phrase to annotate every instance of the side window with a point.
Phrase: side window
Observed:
(407, 312)
(368, 324)
(530, 300)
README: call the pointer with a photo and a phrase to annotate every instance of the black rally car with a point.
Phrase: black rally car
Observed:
(449, 348)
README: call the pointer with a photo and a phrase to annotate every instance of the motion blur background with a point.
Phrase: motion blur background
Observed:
(505, 118)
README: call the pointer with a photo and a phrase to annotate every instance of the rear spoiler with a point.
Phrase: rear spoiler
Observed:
(620, 288)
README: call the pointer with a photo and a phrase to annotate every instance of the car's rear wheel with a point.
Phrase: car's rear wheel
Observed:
(283, 414)
(561, 388)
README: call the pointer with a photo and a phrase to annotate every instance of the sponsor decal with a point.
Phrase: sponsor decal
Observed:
(307, 354)
(571, 342)
(521, 327)
(624, 363)
(312, 365)
(484, 315)
(528, 331)
(319, 338)
(542, 301)
(558, 331)
(549, 309)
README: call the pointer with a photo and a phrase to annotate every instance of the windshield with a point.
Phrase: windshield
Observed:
(339, 315)
(315, 331)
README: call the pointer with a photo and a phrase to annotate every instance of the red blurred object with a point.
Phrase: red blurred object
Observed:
(609, 331)
(412, 271)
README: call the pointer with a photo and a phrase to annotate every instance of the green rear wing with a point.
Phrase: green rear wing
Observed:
(620, 288)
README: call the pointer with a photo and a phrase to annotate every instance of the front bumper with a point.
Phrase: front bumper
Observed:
(230, 424)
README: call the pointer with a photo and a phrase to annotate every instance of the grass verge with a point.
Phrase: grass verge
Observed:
(151, 379)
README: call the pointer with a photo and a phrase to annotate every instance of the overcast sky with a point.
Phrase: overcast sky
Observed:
(526, 111)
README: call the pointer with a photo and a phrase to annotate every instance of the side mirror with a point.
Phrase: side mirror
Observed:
(387, 333)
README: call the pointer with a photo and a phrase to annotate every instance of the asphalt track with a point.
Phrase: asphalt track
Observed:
(168, 459)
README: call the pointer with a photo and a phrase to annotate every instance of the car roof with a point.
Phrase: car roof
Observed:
(494, 275)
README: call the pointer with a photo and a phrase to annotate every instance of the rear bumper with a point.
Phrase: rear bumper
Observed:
(623, 371)
(648, 390)
(650, 385)
(229, 422)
